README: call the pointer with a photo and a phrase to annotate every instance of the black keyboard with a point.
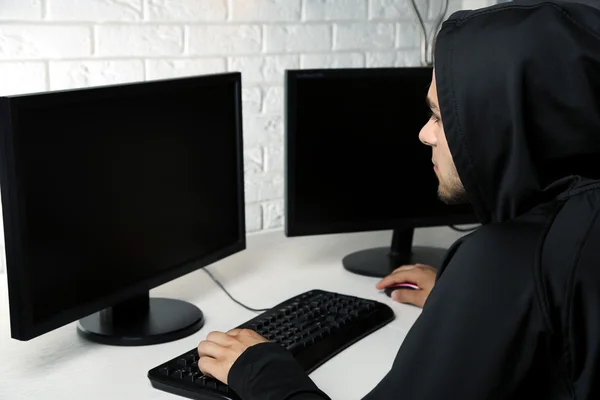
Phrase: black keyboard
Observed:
(313, 326)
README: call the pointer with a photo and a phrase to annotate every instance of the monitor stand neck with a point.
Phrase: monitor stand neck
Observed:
(381, 261)
(142, 320)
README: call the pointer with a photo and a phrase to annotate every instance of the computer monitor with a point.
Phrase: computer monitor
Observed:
(109, 192)
(354, 162)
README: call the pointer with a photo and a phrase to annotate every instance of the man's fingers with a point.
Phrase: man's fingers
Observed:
(398, 277)
(210, 349)
(241, 333)
(420, 275)
(209, 366)
(408, 296)
(247, 332)
(405, 268)
(384, 282)
(224, 339)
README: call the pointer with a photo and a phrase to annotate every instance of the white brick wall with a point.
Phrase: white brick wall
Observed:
(57, 44)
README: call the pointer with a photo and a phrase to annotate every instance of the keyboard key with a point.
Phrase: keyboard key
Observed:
(296, 347)
(182, 362)
(191, 358)
(178, 374)
(191, 377)
(200, 381)
(222, 387)
(211, 383)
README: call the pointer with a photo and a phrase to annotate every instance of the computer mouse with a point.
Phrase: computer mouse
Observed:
(405, 285)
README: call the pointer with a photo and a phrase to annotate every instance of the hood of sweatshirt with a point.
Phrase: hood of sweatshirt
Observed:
(519, 93)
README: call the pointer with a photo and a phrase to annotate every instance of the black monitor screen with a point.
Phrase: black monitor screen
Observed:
(353, 156)
(122, 185)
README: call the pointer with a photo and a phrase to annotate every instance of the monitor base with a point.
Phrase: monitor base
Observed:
(380, 262)
(142, 321)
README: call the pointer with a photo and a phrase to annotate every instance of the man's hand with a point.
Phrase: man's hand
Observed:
(419, 274)
(220, 350)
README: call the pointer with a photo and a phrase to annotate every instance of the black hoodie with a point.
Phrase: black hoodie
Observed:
(515, 312)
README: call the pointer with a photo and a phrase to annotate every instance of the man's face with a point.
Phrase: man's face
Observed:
(450, 189)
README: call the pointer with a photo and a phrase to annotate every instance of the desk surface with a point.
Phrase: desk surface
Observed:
(62, 365)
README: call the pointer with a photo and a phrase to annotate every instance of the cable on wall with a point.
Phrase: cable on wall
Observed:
(436, 28)
(427, 49)
(423, 33)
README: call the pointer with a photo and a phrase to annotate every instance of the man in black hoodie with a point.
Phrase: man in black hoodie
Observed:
(515, 311)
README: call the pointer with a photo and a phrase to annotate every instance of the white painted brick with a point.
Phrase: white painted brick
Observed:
(396, 9)
(94, 10)
(268, 69)
(273, 214)
(274, 97)
(225, 39)
(139, 40)
(21, 10)
(22, 77)
(365, 36)
(272, 187)
(435, 6)
(252, 185)
(263, 186)
(187, 10)
(251, 189)
(251, 100)
(326, 10)
(402, 58)
(455, 5)
(266, 10)
(274, 158)
(263, 129)
(253, 160)
(77, 74)
(253, 217)
(296, 38)
(333, 60)
(175, 68)
(38, 42)
(409, 34)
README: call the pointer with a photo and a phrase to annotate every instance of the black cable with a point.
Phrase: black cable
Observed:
(453, 227)
(230, 296)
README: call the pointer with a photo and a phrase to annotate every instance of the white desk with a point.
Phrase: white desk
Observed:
(60, 365)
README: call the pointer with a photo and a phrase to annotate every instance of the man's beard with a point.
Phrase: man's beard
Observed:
(453, 198)
(453, 192)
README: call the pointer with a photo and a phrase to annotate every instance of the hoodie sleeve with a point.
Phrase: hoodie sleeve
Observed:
(481, 329)
(478, 336)
(267, 371)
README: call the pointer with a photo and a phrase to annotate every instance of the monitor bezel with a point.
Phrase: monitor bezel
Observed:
(292, 227)
(23, 327)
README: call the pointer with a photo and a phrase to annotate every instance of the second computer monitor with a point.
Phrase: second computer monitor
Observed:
(354, 161)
